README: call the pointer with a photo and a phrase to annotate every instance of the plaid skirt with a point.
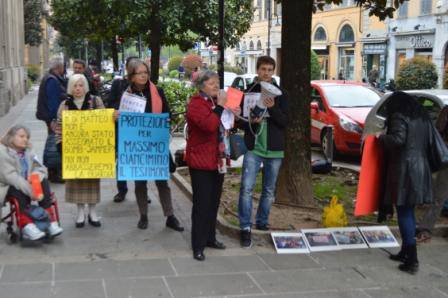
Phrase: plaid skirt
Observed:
(82, 191)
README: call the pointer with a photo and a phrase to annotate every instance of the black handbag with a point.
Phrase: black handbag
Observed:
(438, 151)
(52, 157)
(237, 146)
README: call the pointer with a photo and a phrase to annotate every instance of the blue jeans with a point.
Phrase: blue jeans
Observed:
(251, 166)
(406, 223)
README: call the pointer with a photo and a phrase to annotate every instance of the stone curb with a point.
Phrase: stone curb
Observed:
(230, 230)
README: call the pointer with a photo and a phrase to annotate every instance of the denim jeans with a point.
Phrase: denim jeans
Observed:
(406, 224)
(251, 166)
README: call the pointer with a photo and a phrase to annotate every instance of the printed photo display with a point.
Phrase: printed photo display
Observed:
(320, 239)
(349, 238)
(379, 236)
(288, 243)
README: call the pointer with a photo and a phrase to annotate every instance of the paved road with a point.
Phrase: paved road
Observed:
(118, 260)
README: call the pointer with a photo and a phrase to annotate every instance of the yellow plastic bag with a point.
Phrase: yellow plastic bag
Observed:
(334, 214)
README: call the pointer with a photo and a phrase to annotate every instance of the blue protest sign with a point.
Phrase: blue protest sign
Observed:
(143, 146)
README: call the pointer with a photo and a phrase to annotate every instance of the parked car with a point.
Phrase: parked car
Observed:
(228, 79)
(433, 100)
(341, 107)
(242, 81)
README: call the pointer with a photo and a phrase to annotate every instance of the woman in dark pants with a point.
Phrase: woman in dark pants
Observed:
(408, 174)
(205, 160)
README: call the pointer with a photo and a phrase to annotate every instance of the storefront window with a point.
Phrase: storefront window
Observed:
(346, 64)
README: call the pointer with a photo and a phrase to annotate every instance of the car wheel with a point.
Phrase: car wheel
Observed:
(324, 143)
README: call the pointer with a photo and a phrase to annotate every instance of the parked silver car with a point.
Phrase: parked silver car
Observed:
(433, 100)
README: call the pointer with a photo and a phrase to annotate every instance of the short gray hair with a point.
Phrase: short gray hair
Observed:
(132, 66)
(7, 139)
(74, 79)
(55, 62)
(204, 76)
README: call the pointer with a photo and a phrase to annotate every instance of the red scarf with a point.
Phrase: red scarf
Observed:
(156, 100)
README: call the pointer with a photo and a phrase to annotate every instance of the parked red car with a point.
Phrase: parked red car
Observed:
(343, 106)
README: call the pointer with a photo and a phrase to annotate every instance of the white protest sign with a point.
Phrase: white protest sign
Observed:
(132, 103)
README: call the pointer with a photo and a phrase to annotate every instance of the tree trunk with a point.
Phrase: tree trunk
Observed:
(295, 183)
(114, 50)
(155, 45)
(98, 56)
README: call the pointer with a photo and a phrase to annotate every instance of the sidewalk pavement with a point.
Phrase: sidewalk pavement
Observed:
(119, 260)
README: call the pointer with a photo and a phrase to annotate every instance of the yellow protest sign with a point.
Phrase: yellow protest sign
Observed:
(88, 144)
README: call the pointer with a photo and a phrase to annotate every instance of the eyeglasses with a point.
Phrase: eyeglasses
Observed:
(145, 73)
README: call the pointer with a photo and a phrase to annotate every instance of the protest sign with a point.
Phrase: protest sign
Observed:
(234, 97)
(88, 144)
(132, 103)
(143, 146)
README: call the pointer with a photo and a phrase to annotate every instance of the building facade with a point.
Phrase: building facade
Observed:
(419, 29)
(12, 45)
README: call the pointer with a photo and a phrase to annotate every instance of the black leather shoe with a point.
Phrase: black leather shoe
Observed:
(95, 224)
(216, 244)
(143, 222)
(173, 223)
(79, 224)
(119, 197)
(199, 255)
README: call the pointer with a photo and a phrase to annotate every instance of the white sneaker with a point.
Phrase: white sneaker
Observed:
(54, 229)
(31, 232)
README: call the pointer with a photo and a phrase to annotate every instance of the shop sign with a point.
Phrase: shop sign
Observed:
(419, 41)
(374, 49)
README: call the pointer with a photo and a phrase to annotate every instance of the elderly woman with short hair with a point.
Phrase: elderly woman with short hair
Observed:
(206, 159)
(140, 85)
(80, 191)
(18, 162)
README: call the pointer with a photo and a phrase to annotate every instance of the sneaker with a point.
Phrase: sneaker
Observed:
(245, 239)
(262, 227)
(31, 232)
(54, 229)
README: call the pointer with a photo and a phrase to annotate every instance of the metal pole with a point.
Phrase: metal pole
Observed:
(221, 45)
(268, 10)
(139, 46)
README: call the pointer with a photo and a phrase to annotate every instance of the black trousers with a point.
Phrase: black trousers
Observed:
(24, 200)
(207, 189)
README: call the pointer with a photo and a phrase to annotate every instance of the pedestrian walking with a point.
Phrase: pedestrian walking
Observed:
(52, 90)
(440, 189)
(265, 140)
(139, 84)
(81, 192)
(408, 174)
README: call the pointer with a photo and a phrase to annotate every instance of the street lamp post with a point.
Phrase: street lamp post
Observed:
(221, 45)
(268, 11)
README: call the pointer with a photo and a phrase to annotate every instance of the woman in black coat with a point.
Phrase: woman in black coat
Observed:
(408, 174)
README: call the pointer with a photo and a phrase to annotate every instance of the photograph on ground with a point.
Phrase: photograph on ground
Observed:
(349, 238)
(289, 243)
(379, 236)
(320, 239)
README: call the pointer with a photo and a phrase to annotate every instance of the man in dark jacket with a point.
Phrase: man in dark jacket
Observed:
(440, 188)
(80, 67)
(265, 140)
(52, 90)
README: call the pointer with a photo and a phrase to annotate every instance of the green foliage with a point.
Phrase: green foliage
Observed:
(177, 95)
(315, 66)
(33, 72)
(174, 63)
(32, 17)
(173, 74)
(416, 73)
